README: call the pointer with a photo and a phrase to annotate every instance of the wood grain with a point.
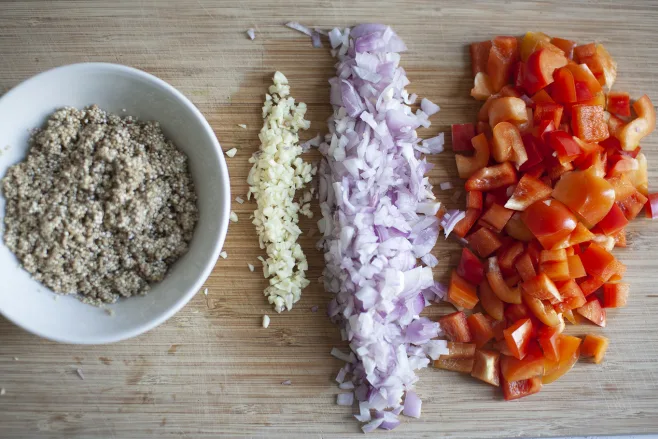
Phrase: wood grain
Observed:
(212, 371)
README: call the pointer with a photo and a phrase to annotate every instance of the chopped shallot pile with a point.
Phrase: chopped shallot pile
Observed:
(378, 219)
(554, 173)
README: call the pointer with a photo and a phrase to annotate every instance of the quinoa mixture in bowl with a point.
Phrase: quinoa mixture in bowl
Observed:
(101, 207)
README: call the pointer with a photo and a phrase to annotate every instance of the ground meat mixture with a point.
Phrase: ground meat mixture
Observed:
(102, 206)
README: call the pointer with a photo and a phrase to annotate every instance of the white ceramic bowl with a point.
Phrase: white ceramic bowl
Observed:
(114, 88)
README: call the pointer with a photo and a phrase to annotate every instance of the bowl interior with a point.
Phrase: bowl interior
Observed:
(124, 91)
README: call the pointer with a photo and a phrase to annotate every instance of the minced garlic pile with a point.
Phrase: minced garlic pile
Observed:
(277, 173)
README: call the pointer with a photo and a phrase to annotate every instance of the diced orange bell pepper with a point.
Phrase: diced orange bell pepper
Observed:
(528, 191)
(467, 166)
(594, 346)
(615, 295)
(456, 328)
(599, 62)
(498, 284)
(619, 103)
(463, 365)
(593, 199)
(566, 46)
(517, 229)
(569, 352)
(576, 268)
(531, 42)
(480, 56)
(550, 221)
(632, 205)
(548, 340)
(482, 87)
(495, 217)
(572, 296)
(639, 127)
(491, 177)
(540, 67)
(463, 226)
(548, 111)
(508, 145)
(525, 268)
(519, 389)
(518, 337)
(486, 367)
(541, 287)
(583, 75)
(588, 123)
(593, 312)
(622, 186)
(460, 350)
(490, 302)
(508, 256)
(556, 271)
(532, 365)
(480, 329)
(542, 97)
(484, 242)
(542, 310)
(462, 293)
(620, 238)
(474, 200)
(568, 315)
(507, 109)
(590, 284)
(503, 55)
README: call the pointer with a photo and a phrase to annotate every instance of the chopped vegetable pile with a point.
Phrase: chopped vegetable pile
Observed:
(554, 172)
(378, 218)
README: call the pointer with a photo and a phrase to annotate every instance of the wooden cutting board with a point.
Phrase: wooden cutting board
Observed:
(211, 370)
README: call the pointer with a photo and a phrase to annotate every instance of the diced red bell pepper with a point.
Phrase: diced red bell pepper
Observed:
(576, 268)
(480, 329)
(593, 312)
(594, 346)
(541, 287)
(533, 151)
(613, 222)
(498, 284)
(531, 42)
(516, 229)
(548, 111)
(620, 238)
(590, 285)
(503, 55)
(556, 271)
(456, 328)
(486, 367)
(518, 337)
(642, 125)
(568, 353)
(619, 103)
(582, 75)
(484, 242)
(615, 295)
(548, 337)
(480, 56)
(557, 169)
(564, 145)
(652, 205)
(462, 133)
(588, 123)
(632, 205)
(490, 302)
(566, 46)
(470, 267)
(497, 196)
(465, 225)
(598, 262)
(531, 365)
(519, 389)
(496, 216)
(474, 200)
(491, 177)
(484, 128)
(461, 293)
(463, 365)
(518, 74)
(580, 235)
(498, 327)
(622, 186)
(583, 93)
(540, 67)
(563, 89)
(467, 166)
(513, 280)
(528, 191)
(550, 221)
(517, 311)
(542, 97)
(508, 255)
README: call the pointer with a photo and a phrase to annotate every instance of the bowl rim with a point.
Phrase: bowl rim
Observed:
(220, 236)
